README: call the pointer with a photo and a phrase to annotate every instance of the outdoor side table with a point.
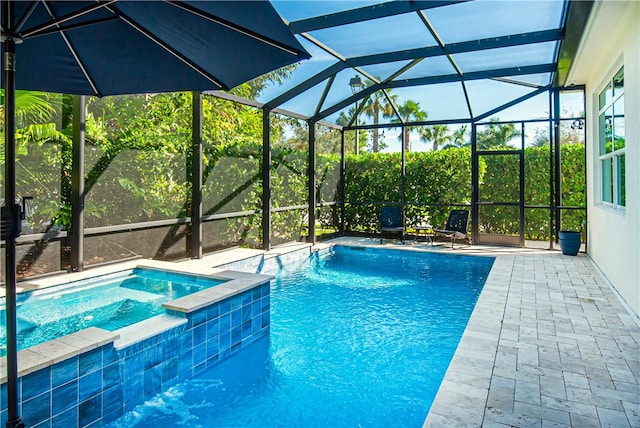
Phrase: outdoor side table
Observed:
(425, 230)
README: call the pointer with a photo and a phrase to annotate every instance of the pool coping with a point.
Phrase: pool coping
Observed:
(473, 360)
(51, 352)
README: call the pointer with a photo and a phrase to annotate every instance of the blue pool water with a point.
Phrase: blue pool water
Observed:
(358, 338)
(109, 302)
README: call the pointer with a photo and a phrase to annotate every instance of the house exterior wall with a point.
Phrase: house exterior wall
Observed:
(611, 40)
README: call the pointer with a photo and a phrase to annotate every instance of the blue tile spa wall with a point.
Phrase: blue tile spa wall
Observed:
(99, 386)
(71, 393)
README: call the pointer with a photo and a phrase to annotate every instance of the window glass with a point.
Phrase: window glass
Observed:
(618, 124)
(605, 96)
(612, 141)
(618, 82)
(607, 181)
(606, 131)
(622, 199)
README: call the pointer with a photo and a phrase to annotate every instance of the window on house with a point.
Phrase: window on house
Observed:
(612, 141)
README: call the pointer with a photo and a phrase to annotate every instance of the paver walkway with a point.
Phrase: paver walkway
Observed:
(549, 345)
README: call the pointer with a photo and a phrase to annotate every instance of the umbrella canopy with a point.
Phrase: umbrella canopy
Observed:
(116, 47)
(130, 47)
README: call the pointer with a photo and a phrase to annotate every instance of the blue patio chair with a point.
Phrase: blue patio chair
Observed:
(456, 227)
(391, 221)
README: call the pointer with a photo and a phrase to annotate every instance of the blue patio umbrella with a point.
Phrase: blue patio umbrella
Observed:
(116, 47)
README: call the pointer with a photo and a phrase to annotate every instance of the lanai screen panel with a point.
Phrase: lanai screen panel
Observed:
(328, 148)
(289, 166)
(43, 173)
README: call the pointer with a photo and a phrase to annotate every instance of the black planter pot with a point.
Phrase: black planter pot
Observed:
(570, 242)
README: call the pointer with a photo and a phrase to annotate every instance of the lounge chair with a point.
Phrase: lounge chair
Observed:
(391, 221)
(456, 227)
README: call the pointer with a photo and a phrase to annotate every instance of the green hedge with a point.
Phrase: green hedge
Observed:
(437, 181)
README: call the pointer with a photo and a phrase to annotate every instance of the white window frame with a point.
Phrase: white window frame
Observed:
(615, 155)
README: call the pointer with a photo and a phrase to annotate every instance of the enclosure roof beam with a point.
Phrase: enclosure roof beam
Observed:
(307, 84)
(517, 82)
(348, 101)
(412, 124)
(325, 92)
(476, 75)
(427, 22)
(331, 71)
(448, 78)
(253, 103)
(415, 54)
(458, 48)
(366, 13)
(511, 103)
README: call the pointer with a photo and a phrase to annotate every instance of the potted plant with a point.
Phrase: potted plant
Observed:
(570, 241)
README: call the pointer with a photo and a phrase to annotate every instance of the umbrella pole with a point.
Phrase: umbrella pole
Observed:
(13, 223)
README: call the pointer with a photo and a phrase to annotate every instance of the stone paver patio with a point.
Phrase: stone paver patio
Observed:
(549, 344)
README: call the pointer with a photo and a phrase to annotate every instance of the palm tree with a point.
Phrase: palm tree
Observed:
(377, 104)
(34, 120)
(31, 106)
(459, 138)
(410, 111)
(497, 135)
(438, 134)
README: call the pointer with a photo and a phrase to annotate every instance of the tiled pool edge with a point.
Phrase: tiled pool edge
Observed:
(94, 376)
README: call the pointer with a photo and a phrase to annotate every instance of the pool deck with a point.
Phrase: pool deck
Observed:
(549, 344)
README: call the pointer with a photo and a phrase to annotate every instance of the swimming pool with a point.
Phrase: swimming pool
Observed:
(109, 302)
(359, 337)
